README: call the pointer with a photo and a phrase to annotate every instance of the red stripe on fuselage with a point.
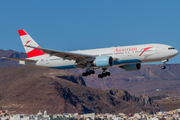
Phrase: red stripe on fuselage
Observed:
(35, 52)
(145, 49)
(22, 32)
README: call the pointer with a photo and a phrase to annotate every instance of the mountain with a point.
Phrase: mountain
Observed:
(150, 79)
(28, 89)
(10, 53)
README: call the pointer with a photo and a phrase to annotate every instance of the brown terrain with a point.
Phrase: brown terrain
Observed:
(12, 54)
(145, 81)
(169, 104)
(28, 89)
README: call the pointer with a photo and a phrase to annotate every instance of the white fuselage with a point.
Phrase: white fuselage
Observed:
(121, 55)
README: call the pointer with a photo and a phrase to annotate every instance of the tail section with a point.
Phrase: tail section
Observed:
(27, 40)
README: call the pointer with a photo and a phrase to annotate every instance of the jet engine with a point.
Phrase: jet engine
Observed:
(103, 61)
(131, 67)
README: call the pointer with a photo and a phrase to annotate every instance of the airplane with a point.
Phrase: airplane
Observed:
(128, 58)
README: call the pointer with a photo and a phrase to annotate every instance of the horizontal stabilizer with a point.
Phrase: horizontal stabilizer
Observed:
(18, 59)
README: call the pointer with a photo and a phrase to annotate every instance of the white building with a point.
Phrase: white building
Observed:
(90, 115)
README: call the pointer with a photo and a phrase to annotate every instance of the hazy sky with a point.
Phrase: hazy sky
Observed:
(84, 24)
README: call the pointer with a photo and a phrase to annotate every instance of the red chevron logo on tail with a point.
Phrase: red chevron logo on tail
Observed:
(27, 42)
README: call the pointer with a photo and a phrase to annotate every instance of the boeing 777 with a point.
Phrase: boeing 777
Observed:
(128, 58)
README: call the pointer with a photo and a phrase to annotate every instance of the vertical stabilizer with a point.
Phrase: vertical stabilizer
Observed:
(27, 40)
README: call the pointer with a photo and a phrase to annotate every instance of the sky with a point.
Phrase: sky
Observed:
(69, 25)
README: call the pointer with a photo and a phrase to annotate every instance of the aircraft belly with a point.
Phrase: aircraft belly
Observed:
(58, 64)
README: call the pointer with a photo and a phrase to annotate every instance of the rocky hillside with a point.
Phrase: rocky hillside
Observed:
(29, 89)
(147, 80)
(12, 54)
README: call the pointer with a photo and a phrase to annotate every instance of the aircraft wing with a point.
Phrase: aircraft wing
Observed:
(18, 59)
(66, 55)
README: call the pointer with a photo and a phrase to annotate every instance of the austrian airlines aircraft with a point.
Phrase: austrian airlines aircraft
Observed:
(128, 58)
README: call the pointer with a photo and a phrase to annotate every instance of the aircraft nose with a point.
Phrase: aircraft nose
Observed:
(176, 52)
(173, 52)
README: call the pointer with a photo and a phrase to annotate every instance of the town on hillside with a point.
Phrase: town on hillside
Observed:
(163, 115)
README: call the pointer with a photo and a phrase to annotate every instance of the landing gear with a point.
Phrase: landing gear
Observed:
(88, 72)
(163, 67)
(164, 62)
(104, 73)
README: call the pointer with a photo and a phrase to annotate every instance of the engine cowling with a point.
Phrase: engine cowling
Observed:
(103, 61)
(131, 67)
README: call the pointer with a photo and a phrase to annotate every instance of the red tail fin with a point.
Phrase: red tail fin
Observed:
(27, 40)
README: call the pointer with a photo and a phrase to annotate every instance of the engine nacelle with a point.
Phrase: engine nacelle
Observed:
(131, 67)
(103, 61)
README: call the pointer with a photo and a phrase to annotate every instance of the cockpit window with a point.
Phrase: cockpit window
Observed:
(170, 48)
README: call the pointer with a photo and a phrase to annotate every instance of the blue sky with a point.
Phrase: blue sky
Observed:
(84, 24)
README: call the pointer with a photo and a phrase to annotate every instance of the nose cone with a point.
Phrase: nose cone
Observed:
(177, 52)
(173, 53)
